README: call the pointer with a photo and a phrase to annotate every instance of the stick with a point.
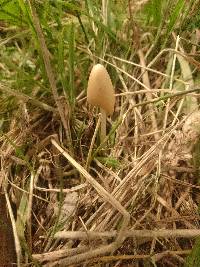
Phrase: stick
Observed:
(166, 233)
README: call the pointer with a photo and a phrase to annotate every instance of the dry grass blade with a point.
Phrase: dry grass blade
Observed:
(171, 83)
(146, 81)
(73, 200)
(16, 238)
(107, 197)
(27, 98)
(89, 157)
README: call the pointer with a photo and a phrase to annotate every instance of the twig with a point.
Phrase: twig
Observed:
(92, 235)
(102, 250)
(50, 256)
(156, 257)
(55, 255)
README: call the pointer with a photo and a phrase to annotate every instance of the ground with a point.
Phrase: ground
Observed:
(70, 198)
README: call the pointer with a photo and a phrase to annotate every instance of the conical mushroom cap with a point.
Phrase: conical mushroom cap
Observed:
(100, 91)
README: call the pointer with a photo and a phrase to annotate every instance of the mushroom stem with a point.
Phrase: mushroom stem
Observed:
(103, 125)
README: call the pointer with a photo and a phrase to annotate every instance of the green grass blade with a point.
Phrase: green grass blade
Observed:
(173, 19)
(157, 12)
(71, 60)
(96, 19)
(26, 12)
(193, 260)
(20, 153)
(61, 67)
(10, 12)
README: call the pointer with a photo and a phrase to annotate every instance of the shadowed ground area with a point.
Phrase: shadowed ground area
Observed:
(7, 247)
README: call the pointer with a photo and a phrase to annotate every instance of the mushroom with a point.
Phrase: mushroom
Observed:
(100, 93)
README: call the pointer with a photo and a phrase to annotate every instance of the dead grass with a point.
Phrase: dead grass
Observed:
(129, 202)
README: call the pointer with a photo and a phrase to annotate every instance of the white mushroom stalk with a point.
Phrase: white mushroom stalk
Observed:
(100, 93)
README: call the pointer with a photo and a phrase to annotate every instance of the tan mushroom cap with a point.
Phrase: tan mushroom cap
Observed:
(100, 91)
